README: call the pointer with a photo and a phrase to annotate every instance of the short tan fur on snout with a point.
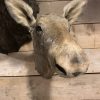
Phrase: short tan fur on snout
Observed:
(55, 48)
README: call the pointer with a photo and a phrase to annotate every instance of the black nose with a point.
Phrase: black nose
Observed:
(76, 73)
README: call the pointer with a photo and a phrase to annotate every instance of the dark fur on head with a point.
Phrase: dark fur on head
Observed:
(12, 34)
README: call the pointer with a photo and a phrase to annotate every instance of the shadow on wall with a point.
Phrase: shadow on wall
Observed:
(39, 87)
(34, 87)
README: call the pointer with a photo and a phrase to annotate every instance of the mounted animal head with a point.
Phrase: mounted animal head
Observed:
(54, 47)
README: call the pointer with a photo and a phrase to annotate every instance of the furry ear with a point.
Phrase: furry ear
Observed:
(21, 12)
(73, 10)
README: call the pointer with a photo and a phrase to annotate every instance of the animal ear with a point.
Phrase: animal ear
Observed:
(21, 12)
(73, 10)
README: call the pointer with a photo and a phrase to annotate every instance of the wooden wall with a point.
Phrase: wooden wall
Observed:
(86, 29)
(20, 81)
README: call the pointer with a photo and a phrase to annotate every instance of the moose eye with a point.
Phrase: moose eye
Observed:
(38, 29)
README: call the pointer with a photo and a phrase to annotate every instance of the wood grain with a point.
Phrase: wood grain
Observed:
(91, 13)
(17, 64)
(97, 36)
(22, 63)
(52, 7)
(85, 87)
(94, 58)
(85, 35)
(27, 47)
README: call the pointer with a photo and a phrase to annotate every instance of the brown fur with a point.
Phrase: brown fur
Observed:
(54, 45)
(12, 34)
(55, 48)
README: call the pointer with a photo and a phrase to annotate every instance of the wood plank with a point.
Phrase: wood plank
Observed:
(97, 36)
(85, 87)
(87, 36)
(52, 7)
(17, 64)
(91, 13)
(27, 47)
(94, 58)
(22, 63)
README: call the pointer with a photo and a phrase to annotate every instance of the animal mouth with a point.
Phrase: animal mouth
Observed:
(60, 70)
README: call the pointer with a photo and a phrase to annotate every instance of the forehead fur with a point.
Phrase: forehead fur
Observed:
(55, 26)
(52, 19)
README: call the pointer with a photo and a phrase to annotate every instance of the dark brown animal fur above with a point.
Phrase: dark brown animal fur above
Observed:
(13, 35)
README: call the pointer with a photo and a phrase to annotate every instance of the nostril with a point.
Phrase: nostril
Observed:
(76, 73)
(61, 69)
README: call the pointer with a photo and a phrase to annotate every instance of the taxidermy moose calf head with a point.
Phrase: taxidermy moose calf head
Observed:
(54, 47)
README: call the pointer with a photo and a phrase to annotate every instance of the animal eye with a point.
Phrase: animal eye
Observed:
(38, 29)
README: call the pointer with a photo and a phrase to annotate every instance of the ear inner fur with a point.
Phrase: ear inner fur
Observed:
(20, 12)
